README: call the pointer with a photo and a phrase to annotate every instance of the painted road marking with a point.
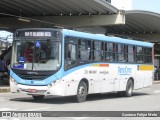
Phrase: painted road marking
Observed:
(36, 109)
(6, 109)
(79, 118)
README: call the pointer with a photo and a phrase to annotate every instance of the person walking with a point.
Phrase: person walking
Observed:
(3, 70)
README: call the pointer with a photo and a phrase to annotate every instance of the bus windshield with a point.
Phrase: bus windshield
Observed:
(39, 55)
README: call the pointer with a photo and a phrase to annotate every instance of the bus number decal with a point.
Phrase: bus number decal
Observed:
(90, 72)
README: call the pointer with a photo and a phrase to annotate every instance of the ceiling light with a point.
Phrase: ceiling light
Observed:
(24, 20)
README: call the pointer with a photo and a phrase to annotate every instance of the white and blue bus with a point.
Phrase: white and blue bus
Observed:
(63, 62)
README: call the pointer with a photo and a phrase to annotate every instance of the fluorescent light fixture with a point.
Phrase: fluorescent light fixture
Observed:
(24, 20)
(57, 26)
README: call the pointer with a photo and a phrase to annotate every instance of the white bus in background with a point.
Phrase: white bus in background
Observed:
(77, 64)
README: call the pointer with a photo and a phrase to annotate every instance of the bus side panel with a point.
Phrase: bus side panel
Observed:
(125, 73)
(89, 73)
(110, 78)
(139, 78)
(148, 75)
(148, 78)
(59, 88)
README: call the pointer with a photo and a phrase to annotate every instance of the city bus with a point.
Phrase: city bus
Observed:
(61, 62)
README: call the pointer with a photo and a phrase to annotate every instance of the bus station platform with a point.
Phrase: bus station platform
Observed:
(5, 89)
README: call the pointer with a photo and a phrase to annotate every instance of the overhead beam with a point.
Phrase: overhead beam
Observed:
(68, 21)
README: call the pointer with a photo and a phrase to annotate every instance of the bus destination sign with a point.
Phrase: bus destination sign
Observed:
(37, 34)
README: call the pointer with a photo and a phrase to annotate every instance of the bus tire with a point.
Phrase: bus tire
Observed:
(38, 97)
(82, 92)
(129, 89)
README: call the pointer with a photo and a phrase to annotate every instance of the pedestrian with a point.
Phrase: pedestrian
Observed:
(3, 70)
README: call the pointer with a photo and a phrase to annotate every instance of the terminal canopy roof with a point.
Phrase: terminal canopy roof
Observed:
(56, 7)
(139, 24)
(46, 13)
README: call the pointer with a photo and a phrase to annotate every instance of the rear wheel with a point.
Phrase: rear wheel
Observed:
(38, 97)
(82, 92)
(129, 89)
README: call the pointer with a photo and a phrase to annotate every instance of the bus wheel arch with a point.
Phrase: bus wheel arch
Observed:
(129, 88)
(87, 83)
(82, 91)
(132, 79)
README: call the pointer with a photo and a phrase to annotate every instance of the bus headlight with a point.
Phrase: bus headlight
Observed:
(13, 80)
(53, 83)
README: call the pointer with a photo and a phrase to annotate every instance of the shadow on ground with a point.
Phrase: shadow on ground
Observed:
(70, 99)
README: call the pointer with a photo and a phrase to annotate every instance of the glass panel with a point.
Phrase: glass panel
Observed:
(84, 50)
(121, 53)
(139, 58)
(70, 55)
(37, 55)
(130, 54)
(139, 50)
(109, 47)
(147, 51)
(97, 53)
(148, 59)
(109, 56)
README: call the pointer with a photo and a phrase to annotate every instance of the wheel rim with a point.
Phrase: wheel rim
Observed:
(82, 93)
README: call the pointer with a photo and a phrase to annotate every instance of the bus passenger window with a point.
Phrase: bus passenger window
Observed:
(121, 53)
(115, 49)
(131, 57)
(148, 55)
(84, 50)
(108, 52)
(97, 51)
(70, 55)
(139, 55)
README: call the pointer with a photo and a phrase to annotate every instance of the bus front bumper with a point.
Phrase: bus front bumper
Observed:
(57, 89)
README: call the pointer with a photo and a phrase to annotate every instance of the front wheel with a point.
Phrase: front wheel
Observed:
(38, 97)
(82, 92)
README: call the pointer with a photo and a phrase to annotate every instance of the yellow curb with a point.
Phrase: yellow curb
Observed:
(4, 90)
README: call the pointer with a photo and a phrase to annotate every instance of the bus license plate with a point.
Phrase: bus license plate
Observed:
(32, 90)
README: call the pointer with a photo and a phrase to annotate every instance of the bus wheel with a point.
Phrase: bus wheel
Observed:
(81, 92)
(129, 89)
(38, 97)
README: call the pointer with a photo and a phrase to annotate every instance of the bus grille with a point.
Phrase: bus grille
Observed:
(32, 77)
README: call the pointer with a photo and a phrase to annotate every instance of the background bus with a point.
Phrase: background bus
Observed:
(69, 63)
